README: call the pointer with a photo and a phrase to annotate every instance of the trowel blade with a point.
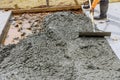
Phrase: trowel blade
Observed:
(94, 34)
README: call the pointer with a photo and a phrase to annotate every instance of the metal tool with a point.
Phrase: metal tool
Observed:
(94, 33)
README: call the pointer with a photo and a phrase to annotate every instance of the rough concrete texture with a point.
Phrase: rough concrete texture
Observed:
(59, 54)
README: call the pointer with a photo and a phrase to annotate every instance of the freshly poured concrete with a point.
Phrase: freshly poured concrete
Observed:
(59, 53)
(112, 24)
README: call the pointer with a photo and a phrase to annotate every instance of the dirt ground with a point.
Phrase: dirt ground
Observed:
(40, 3)
(36, 3)
(22, 26)
(58, 53)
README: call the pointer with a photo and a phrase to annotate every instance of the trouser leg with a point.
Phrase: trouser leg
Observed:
(91, 1)
(104, 8)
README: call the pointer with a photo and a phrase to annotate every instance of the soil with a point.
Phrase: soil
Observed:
(24, 25)
(58, 53)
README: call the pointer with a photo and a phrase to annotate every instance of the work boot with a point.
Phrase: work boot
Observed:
(86, 6)
(100, 18)
(103, 10)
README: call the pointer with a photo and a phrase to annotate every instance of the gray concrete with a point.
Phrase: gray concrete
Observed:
(59, 53)
(112, 24)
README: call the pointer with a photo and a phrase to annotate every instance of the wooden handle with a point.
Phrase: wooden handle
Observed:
(91, 16)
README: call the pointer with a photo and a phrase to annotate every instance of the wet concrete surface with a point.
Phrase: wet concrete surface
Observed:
(59, 53)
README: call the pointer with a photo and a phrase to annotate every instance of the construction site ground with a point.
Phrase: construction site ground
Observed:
(47, 46)
(58, 53)
(39, 3)
(112, 24)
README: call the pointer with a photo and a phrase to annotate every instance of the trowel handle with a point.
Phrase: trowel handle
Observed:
(90, 4)
(91, 16)
(92, 19)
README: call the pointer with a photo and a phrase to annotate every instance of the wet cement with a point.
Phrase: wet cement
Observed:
(59, 54)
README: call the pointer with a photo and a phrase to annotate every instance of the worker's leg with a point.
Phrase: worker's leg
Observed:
(104, 8)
